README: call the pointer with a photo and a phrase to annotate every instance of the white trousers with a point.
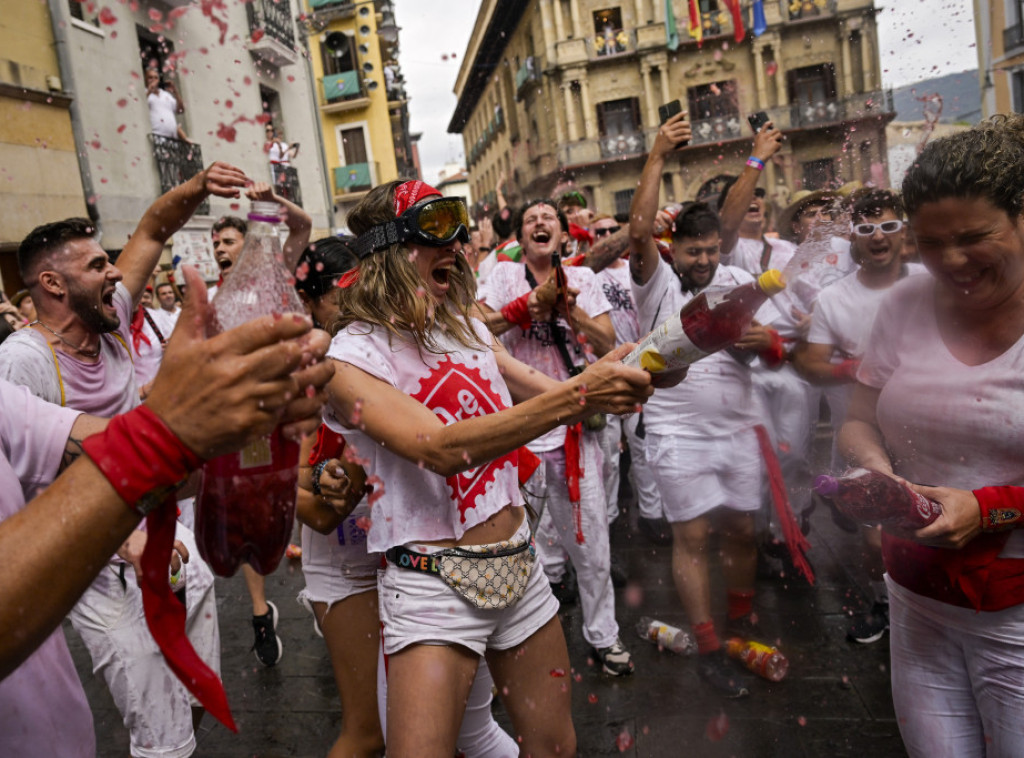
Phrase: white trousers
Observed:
(957, 677)
(640, 476)
(155, 706)
(556, 537)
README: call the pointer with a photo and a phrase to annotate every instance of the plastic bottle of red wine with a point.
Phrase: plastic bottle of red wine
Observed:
(708, 323)
(872, 497)
(246, 502)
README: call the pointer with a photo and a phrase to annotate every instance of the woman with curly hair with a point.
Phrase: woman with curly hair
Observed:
(424, 394)
(938, 402)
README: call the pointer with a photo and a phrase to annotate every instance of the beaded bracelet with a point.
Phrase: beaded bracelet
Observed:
(755, 163)
(318, 471)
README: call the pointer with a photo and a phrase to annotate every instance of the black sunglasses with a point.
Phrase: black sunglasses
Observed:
(606, 230)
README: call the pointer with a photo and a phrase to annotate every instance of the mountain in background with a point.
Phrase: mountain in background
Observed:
(961, 98)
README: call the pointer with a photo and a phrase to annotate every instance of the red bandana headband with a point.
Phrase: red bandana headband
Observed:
(406, 196)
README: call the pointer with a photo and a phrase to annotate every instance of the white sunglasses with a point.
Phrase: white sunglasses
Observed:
(866, 230)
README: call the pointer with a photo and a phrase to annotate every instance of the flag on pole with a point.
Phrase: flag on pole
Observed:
(737, 20)
(671, 32)
(695, 27)
(760, 24)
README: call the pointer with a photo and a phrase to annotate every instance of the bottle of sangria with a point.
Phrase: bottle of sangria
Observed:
(763, 660)
(708, 323)
(246, 502)
(872, 497)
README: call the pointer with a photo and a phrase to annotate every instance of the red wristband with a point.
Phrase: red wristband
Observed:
(847, 370)
(774, 355)
(1002, 508)
(141, 458)
(518, 313)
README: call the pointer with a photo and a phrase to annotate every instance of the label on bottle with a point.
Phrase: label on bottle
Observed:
(664, 349)
(256, 454)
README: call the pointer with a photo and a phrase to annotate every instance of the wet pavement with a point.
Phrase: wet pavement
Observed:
(835, 700)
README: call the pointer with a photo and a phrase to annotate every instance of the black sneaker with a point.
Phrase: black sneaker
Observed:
(268, 647)
(721, 673)
(870, 627)
(618, 573)
(615, 659)
(565, 590)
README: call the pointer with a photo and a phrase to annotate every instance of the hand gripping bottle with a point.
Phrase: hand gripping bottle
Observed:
(871, 497)
(762, 659)
(708, 323)
(246, 502)
(666, 636)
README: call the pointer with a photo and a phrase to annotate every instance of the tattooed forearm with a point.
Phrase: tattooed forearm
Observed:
(72, 450)
(608, 250)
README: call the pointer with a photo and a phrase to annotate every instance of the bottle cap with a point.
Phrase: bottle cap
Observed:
(826, 485)
(771, 282)
(262, 210)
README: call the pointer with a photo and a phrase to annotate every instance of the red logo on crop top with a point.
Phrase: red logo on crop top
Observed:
(455, 391)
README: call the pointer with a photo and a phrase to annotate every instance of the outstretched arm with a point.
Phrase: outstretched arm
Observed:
(766, 143)
(167, 215)
(297, 220)
(643, 260)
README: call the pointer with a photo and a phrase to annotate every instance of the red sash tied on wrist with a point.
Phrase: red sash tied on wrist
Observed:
(142, 458)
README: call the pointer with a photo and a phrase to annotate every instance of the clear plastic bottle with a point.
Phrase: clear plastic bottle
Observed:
(667, 636)
(710, 322)
(763, 660)
(246, 502)
(872, 497)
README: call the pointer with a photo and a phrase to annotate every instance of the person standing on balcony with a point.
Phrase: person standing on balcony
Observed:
(280, 153)
(164, 105)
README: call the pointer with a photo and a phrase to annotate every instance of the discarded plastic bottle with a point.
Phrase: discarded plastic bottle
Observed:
(763, 660)
(710, 322)
(667, 636)
(246, 502)
(872, 497)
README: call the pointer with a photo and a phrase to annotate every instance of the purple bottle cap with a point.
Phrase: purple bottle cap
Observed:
(826, 485)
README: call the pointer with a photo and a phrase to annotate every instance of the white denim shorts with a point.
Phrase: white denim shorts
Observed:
(695, 476)
(419, 608)
(336, 566)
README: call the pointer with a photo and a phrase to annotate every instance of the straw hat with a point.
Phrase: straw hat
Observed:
(801, 200)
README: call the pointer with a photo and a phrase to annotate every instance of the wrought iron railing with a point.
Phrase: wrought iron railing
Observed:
(717, 129)
(803, 9)
(273, 18)
(611, 43)
(286, 182)
(177, 161)
(632, 143)
(526, 74)
(1013, 37)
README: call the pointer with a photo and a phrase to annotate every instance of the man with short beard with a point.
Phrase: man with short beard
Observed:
(76, 354)
(522, 303)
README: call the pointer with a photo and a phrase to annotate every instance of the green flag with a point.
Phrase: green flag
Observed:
(671, 33)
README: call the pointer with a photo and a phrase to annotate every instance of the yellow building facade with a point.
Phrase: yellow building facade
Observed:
(999, 29)
(558, 93)
(36, 140)
(362, 103)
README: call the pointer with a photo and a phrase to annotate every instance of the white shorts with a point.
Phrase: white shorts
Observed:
(156, 707)
(695, 476)
(419, 608)
(336, 565)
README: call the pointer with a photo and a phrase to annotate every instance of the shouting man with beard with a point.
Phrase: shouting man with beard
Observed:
(550, 326)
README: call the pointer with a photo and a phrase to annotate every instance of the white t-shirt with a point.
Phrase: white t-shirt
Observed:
(165, 320)
(148, 355)
(536, 347)
(413, 504)
(104, 388)
(163, 108)
(716, 398)
(828, 267)
(278, 152)
(43, 709)
(748, 254)
(614, 282)
(843, 318)
(944, 423)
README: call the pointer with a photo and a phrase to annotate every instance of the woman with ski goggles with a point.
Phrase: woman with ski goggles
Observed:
(424, 394)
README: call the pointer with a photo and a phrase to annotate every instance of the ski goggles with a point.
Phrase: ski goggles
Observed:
(434, 224)
(886, 227)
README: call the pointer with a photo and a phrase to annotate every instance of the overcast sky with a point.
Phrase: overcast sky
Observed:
(918, 39)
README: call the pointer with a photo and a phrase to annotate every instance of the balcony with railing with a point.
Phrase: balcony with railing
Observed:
(612, 43)
(810, 115)
(801, 10)
(355, 177)
(609, 147)
(717, 129)
(526, 75)
(286, 182)
(1013, 38)
(272, 32)
(343, 92)
(177, 161)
